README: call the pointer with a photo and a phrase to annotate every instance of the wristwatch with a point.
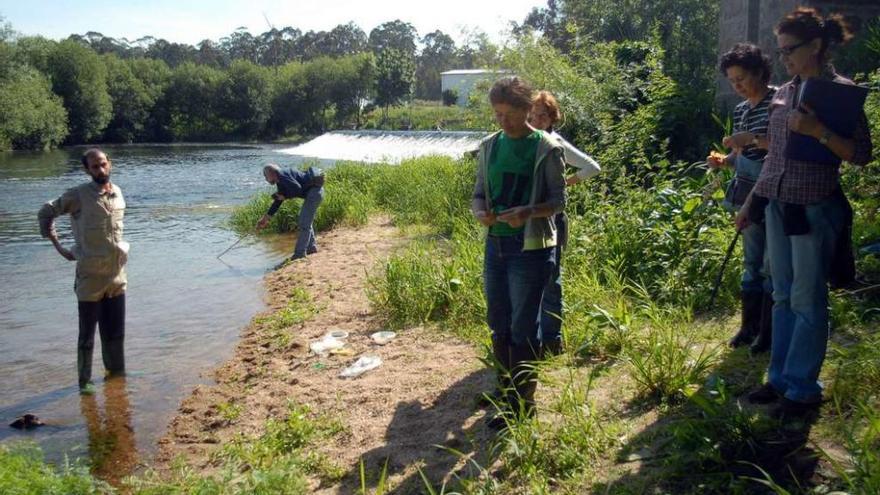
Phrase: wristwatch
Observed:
(826, 137)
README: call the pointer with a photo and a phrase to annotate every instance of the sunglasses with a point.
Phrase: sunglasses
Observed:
(785, 51)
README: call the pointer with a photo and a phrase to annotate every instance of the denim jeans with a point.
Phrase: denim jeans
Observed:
(756, 263)
(551, 303)
(800, 265)
(513, 282)
(305, 240)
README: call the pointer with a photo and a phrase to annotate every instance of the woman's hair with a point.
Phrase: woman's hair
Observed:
(547, 99)
(750, 58)
(806, 24)
(513, 91)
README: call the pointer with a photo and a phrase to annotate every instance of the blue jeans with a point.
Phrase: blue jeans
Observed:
(513, 282)
(305, 240)
(800, 265)
(551, 304)
(756, 269)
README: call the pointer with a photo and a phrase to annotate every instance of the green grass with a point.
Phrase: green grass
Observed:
(23, 472)
(424, 116)
(277, 461)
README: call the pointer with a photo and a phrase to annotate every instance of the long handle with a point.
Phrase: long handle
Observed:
(723, 266)
(233, 245)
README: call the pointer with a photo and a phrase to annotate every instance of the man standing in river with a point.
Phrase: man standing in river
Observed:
(96, 209)
(309, 186)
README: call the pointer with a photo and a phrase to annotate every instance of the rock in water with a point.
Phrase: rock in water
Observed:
(26, 422)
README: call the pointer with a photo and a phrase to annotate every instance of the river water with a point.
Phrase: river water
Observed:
(185, 308)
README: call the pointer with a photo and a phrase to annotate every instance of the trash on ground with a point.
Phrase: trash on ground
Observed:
(361, 366)
(337, 334)
(325, 345)
(342, 351)
(383, 337)
(26, 422)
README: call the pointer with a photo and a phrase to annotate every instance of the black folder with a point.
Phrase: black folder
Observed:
(838, 106)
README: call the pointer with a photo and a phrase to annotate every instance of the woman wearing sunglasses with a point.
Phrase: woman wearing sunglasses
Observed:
(806, 212)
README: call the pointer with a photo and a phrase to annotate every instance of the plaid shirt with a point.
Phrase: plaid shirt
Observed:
(793, 181)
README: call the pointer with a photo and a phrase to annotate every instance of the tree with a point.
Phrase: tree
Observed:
(31, 116)
(244, 99)
(80, 78)
(188, 107)
(241, 45)
(350, 86)
(478, 51)
(211, 55)
(397, 35)
(173, 54)
(395, 75)
(132, 102)
(344, 39)
(438, 55)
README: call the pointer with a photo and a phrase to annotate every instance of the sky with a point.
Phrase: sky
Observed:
(192, 21)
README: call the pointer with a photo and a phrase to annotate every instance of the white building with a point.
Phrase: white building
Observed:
(463, 81)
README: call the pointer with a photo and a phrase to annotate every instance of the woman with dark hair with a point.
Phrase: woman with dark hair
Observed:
(519, 188)
(545, 115)
(806, 211)
(748, 71)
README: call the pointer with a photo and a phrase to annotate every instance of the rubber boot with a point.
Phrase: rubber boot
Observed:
(84, 368)
(501, 356)
(525, 380)
(751, 319)
(113, 355)
(765, 333)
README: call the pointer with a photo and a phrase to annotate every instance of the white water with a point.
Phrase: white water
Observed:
(387, 146)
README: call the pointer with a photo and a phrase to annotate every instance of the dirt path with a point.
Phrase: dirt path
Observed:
(421, 396)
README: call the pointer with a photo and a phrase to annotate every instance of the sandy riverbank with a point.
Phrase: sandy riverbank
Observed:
(421, 396)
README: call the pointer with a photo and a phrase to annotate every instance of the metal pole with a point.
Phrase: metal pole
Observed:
(233, 245)
(723, 266)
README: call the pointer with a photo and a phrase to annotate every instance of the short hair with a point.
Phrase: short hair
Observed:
(513, 91)
(271, 167)
(84, 159)
(750, 58)
(547, 99)
(806, 24)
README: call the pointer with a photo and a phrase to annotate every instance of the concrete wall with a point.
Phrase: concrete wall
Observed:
(464, 84)
(753, 21)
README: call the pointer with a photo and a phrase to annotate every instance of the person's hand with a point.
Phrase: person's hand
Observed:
(63, 251)
(804, 121)
(516, 216)
(488, 219)
(742, 218)
(716, 160)
(264, 220)
(738, 141)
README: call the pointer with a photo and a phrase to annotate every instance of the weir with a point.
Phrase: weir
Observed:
(386, 146)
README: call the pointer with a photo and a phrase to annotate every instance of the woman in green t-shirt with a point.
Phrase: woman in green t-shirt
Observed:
(519, 188)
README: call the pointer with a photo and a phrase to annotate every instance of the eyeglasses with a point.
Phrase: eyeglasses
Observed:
(786, 51)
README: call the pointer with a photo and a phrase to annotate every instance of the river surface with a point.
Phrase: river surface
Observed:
(185, 308)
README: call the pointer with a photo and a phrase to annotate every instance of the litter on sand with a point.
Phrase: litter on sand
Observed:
(337, 334)
(361, 366)
(325, 345)
(383, 337)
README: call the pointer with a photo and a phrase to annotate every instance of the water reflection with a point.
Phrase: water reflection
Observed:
(185, 308)
(111, 441)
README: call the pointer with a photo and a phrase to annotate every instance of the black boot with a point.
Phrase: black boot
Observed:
(525, 379)
(501, 358)
(765, 334)
(751, 319)
(552, 347)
